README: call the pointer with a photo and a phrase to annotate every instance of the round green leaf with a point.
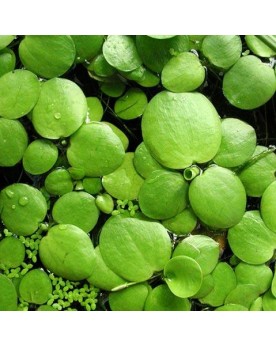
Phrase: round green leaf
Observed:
(258, 275)
(180, 129)
(12, 252)
(131, 105)
(95, 109)
(92, 185)
(182, 73)
(183, 275)
(7, 61)
(134, 249)
(102, 276)
(105, 203)
(257, 305)
(67, 251)
(181, 224)
(23, 208)
(231, 307)
(124, 182)
(100, 67)
(119, 133)
(8, 295)
(258, 47)
(143, 161)
(224, 280)
(61, 109)
(120, 52)
(243, 294)
(162, 299)
(238, 143)
(13, 142)
(156, 53)
(206, 287)
(19, 92)
(222, 50)
(113, 88)
(132, 298)
(269, 302)
(273, 285)
(40, 156)
(48, 56)
(76, 208)
(249, 83)
(160, 184)
(35, 287)
(218, 197)
(203, 249)
(5, 40)
(251, 240)
(96, 149)
(142, 76)
(87, 46)
(268, 205)
(259, 173)
(59, 182)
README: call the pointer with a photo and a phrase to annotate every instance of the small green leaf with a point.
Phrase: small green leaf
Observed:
(124, 182)
(8, 295)
(12, 252)
(40, 156)
(61, 109)
(268, 204)
(132, 298)
(19, 92)
(59, 182)
(87, 46)
(51, 62)
(35, 287)
(183, 275)
(251, 240)
(162, 299)
(159, 184)
(95, 109)
(76, 208)
(120, 52)
(13, 142)
(131, 105)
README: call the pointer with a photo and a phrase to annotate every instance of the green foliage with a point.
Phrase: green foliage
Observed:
(131, 178)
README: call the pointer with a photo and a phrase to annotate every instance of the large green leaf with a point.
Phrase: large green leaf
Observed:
(249, 83)
(61, 109)
(181, 129)
(67, 251)
(134, 249)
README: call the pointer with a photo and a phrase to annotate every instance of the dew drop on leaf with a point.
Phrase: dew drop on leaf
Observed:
(23, 201)
(10, 193)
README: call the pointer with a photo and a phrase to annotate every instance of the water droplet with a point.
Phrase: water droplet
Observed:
(57, 116)
(13, 206)
(23, 201)
(62, 227)
(10, 193)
